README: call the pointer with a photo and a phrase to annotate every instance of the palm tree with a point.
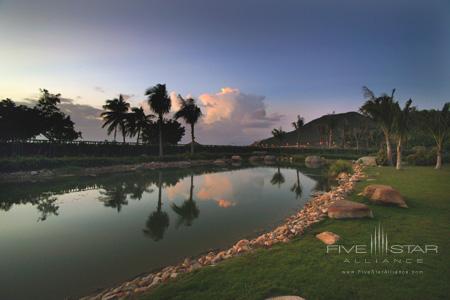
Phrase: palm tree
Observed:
(401, 126)
(137, 121)
(160, 104)
(279, 134)
(381, 110)
(190, 113)
(437, 123)
(297, 125)
(331, 124)
(297, 187)
(158, 221)
(115, 115)
(188, 211)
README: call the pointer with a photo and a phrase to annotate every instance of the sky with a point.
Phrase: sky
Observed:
(252, 65)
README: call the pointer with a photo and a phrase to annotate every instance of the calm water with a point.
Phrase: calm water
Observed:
(69, 238)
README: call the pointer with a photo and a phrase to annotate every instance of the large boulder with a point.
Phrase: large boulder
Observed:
(344, 209)
(220, 162)
(328, 237)
(236, 158)
(314, 161)
(384, 194)
(368, 161)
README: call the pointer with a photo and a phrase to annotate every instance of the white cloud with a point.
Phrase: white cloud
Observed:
(231, 116)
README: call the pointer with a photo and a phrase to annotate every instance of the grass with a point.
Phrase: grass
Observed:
(303, 268)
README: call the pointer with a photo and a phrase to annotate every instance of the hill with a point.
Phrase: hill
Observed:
(350, 128)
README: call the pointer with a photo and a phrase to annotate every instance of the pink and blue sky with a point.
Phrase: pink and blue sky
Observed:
(253, 65)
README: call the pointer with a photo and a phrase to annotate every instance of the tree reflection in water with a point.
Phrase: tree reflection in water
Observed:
(46, 206)
(278, 178)
(188, 211)
(114, 196)
(158, 221)
(297, 187)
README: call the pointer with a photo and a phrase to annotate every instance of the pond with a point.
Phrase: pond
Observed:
(70, 237)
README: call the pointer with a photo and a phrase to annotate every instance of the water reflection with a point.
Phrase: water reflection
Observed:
(188, 211)
(47, 206)
(297, 187)
(171, 214)
(278, 178)
(116, 191)
(158, 221)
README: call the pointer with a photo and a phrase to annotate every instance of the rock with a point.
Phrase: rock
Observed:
(367, 161)
(314, 161)
(270, 158)
(220, 162)
(286, 298)
(241, 243)
(384, 194)
(328, 237)
(33, 173)
(344, 209)
(236, 158)
(342, 176)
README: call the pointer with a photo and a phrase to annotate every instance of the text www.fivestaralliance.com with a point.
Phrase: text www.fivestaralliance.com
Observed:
(382, 272)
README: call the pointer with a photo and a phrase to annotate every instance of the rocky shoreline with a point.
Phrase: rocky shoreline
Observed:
(314, 211)
(44, 175)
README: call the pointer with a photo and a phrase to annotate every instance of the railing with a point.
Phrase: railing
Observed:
(116, 149)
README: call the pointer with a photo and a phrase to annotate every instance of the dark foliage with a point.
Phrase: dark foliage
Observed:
(172, 132)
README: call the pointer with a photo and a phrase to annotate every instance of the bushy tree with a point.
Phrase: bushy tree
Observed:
(172, 132)
(17, 122)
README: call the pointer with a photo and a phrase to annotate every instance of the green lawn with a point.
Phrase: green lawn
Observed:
(303, 268)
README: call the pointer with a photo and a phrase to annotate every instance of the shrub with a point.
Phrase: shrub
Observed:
(381, 157)
(340, 166)
(422, 156)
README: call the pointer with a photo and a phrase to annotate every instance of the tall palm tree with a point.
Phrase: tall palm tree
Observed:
(115, 115)
(188, 211)
(160, 104)
(437, 123)
(381, 111)
(279, 134)
(297, 125)
(190, 113)
(137, 120)
(401, 126)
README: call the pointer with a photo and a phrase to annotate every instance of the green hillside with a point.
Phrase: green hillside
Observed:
(351, 128)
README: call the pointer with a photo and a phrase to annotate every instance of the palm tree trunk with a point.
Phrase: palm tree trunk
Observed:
(115, 133)
(138, 136)
(388, 148)
(298, 139)
(160, 136)
(399, 154)
(330, 138)
(192, 138)
(439, 156)
(123, 133)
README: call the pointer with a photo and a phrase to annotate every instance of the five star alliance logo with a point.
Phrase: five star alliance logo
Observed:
(380, 245)
(379, 241)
